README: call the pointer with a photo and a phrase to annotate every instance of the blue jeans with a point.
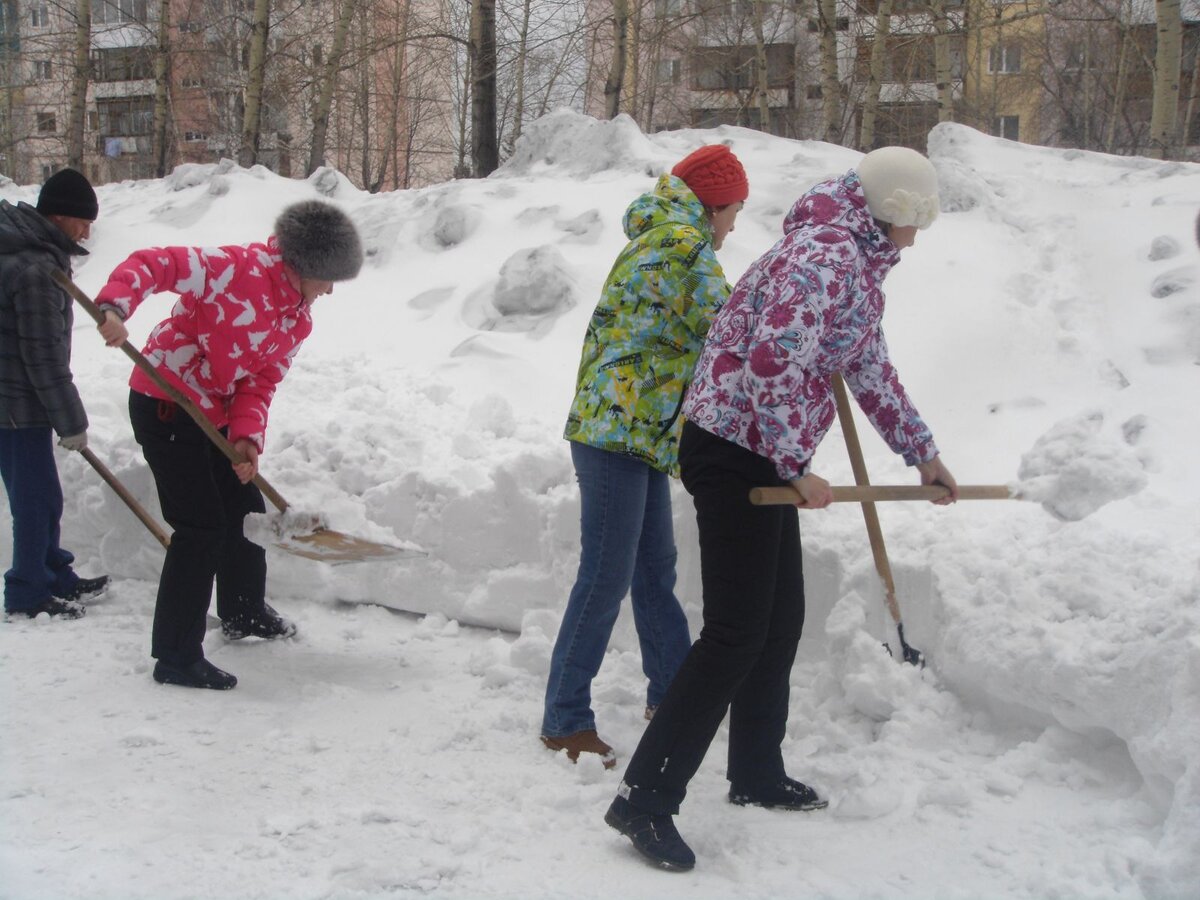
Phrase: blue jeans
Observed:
(40, 568)
(627, 542)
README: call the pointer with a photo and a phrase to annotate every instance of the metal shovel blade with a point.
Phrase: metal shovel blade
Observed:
(335, 547)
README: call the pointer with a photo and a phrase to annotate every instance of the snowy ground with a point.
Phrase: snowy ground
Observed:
(390, 750)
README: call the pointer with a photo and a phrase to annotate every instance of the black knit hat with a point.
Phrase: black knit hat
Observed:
(68, 193)
(319, 241)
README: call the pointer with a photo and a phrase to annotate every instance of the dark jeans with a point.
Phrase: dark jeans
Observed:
(206, 505)
(627, 542)
(41, 568)
(753, 613)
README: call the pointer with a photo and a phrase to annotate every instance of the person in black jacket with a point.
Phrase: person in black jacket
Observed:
(37, 393)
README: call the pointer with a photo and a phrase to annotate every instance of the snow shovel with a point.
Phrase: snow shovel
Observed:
(871, 517)
(319, 542)
(136, 508)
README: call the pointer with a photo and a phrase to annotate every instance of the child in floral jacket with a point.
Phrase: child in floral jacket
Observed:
(243, 313)
(760, 403)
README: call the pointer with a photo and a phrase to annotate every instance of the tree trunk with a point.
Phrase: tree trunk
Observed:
(485, 151)
(1190, 114)
(1119, 92)
(762, 80)
(79, 84)
(252, 115)
(941, 61)
(831, 89)
(616, 74)
(522, 56)
(1167, 58)
(870, 109)
(162, 107)
(327, 82)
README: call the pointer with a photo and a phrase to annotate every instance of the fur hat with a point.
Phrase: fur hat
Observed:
(714, 175)
(68, 193)
(319, 241)
(900, 185)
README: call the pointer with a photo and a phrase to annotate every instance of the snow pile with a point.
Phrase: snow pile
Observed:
(1052, 733)
(1074, 468)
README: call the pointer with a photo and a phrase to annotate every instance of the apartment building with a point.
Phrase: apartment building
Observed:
(391, 122)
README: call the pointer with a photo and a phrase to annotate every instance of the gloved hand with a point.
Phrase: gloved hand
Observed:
(76, 442)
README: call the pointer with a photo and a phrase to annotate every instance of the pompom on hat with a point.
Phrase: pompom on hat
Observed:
(319, 241)
(68, 193)
(900, 185)
(714, 175)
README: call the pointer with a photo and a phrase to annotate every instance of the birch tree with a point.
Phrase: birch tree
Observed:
(252, 114)
(870, 103)
(326, 85)
(1167, 57)
(77, 112)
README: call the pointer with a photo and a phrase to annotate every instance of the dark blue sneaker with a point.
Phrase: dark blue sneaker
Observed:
(85, 589)
(54, 608)
(786, 794)
(200, 674)
(653, 836)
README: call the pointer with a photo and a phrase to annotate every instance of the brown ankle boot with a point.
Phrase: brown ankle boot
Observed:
(582, 742)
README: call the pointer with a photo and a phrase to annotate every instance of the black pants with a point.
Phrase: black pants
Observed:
(753, 614)
(206, 505)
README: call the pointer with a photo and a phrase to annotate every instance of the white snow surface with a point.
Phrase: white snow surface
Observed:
(1050, 316)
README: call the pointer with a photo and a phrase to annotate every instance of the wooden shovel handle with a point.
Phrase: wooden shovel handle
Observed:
(879, 493)
(136, 508)
(171, 391)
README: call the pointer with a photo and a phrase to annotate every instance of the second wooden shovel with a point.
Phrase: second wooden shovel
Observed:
(874, 531)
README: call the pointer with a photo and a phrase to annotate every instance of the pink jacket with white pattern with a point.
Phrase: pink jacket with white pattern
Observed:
(231, 337)
(809, 307)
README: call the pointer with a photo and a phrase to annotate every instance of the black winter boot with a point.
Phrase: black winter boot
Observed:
(785, 794)
(85, 589)
(200, 674)
(653, 836)
(267, 624)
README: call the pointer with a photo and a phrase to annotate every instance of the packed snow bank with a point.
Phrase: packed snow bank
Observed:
(429, 403)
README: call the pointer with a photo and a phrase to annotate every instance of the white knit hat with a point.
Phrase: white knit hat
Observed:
(900, 185)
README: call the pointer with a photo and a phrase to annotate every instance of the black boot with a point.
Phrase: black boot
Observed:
(200, 674)
(785, 794)
(55, 609)
(653, 836)
(85, 589)
(267, 624)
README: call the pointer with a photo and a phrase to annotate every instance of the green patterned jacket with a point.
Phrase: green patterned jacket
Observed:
(648, 329)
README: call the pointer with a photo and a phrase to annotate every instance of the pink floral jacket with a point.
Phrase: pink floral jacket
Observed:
(811, 306)
(231, 337)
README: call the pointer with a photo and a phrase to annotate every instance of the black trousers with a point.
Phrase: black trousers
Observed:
(206, 505)
(753, 614)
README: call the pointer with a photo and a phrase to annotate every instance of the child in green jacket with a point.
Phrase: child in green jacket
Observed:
(624, 424)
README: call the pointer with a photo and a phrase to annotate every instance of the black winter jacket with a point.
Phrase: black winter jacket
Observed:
(36, 388)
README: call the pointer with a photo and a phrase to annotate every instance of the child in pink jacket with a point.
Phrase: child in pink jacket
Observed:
(243, 313)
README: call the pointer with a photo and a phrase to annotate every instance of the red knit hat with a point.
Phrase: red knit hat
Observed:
(714, 175)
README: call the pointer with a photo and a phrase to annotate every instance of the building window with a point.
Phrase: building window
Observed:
(841, 23)
(1004, 59)
(1008, 127)
(736, 68)
(122, 64)
(46, 123)
(664, 9)
(192, 82)
(194, 136)
(47, 171)
(39, 15)
(118, 12)
(190, 27)
(127, 116)
(813, 92)
(41, 70)
(668, 71)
